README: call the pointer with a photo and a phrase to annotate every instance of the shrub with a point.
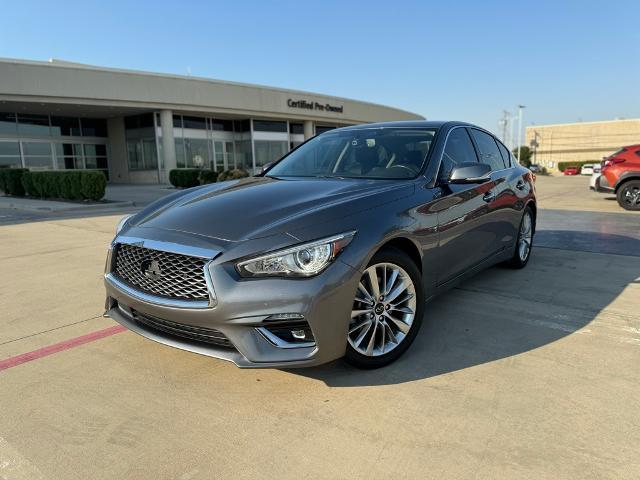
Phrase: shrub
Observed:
(184, 177)
(69, 185)
(563, 165)
(207, 176)
(11, 181)
(232, 175)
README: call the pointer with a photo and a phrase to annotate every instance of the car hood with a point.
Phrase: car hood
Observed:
(262, 206)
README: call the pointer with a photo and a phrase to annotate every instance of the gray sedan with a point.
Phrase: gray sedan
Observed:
(333, 251)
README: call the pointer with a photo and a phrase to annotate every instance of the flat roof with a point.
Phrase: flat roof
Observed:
(59, 82)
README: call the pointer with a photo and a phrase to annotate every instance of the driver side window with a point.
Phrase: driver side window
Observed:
(458, 149)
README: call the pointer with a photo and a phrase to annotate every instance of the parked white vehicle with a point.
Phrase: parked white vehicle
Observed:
(596, 172)
(587, 169)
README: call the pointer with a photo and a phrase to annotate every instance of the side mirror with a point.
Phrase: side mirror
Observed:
(266, 167)
(470, 172)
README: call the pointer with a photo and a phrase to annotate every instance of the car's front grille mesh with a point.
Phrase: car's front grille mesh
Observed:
(200, 334)
(165, 274)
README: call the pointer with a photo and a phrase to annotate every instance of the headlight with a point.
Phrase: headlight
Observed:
(122, 222)
(303, 260)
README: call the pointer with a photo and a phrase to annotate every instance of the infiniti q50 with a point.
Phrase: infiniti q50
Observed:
(333, 251)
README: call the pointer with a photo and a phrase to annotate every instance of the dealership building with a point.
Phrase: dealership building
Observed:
(137, 126)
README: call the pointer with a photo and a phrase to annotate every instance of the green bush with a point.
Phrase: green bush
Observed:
(563, 165)
(207, 176)
(11, 181)
(232, 175)
(69, 185)
(184, 177)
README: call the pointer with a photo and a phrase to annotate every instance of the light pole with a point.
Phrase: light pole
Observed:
(520, 108)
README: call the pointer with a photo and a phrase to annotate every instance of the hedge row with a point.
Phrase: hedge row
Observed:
(563, 165)
(11, 181)
(192, 177)
(69, 185)
(66, 184)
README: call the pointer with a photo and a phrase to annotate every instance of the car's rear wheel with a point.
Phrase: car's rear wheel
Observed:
(387, 310)
(629, 195)
(524, 242)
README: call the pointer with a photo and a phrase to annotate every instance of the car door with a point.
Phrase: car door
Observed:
(501, 215)
(465, 239)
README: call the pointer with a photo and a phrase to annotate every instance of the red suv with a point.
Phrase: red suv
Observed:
(621, 175)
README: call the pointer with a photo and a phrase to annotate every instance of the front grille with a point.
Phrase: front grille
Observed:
(165, 274)
(200, 334)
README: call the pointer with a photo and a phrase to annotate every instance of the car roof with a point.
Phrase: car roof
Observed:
(409, 124)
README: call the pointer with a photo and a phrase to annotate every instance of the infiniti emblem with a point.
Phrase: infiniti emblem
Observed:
(151, 269)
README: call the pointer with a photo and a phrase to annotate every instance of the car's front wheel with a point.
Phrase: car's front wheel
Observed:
(629, 195)
(387, 310)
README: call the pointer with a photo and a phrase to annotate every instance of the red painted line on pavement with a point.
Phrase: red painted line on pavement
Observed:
(59, 347)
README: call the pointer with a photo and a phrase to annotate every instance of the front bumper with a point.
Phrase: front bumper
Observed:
(241, 307)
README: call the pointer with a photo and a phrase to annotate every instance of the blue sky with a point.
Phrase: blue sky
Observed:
(566, 61)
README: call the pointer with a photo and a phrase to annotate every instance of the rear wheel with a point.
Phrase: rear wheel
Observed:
(524, 242)
(629, 195)
(387, 310)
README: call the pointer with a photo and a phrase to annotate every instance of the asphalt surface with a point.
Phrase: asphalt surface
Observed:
(515, 374)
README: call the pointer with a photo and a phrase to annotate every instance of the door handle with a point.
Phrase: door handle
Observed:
(489, 196)
(521, 185)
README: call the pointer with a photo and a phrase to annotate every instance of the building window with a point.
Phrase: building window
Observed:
(37, 155)
(69, 156)
(296, 128)
(65, 126)
(33, 124)
(95, 157)
(321, 129)
(241, 126)
(269, 151)
(177, 121)
(8, 123)
(194, 122)
(221, 125)
(269, 126)
(92, 127)
(141, 154)
(196, 153)
(10, 154)
(243, 157)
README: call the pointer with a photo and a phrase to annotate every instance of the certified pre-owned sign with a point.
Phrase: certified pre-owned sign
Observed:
(323, 107)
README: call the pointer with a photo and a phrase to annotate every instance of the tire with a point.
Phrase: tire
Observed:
(628, 195)
(519, 260)
(391, 319)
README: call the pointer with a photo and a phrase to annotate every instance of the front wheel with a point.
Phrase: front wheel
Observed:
(387, 310)
(629, 195)
(524, 242)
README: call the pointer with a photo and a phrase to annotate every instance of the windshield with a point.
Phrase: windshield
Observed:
(367, 153)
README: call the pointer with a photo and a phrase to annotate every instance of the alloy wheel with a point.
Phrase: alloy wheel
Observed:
(631, 196)
(383, 311)
(526, 234)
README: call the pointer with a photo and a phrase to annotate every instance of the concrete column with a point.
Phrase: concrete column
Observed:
(168, 142)
(308, 129)
(118, 165)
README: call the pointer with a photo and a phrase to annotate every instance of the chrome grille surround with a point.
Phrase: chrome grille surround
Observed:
(184, 278)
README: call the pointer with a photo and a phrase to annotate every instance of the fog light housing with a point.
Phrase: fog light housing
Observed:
(287, 330)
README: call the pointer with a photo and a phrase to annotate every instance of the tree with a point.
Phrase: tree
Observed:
(525, 151)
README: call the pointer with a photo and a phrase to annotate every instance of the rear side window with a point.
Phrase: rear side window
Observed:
(489, 152)
(506, 157)
(458, 149)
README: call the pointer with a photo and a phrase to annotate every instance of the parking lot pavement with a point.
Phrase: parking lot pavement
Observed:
(515, 374)
(572, 193)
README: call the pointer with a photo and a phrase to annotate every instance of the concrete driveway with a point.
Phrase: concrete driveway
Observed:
(515, 374)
